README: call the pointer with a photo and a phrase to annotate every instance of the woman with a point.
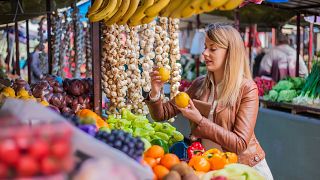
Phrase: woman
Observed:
(224, 105)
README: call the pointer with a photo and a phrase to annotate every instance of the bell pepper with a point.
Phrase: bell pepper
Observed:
(161, 143)
(208, 154)
(195, 149)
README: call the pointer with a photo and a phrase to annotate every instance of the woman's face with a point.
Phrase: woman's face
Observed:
(214, 56)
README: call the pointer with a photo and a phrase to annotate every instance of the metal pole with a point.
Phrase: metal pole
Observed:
(298, 43)
(198, 57)
(310, 47)
(48, 8)
(96, 67)
(17, 64)
(8, 51)
(28, 52)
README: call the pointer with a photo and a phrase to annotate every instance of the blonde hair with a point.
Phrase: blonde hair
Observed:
(236, 65)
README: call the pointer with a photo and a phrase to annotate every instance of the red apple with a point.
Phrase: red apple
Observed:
(60, 148)
(49, 166)
(9, 152)
(4, 171)
(27, 167)
(39, 149)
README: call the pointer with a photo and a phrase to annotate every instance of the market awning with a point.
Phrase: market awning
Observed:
(309, 7)
(11, 10)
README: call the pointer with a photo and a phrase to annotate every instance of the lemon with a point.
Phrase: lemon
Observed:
(9, 91)
(23, 93)
(164, 73)
(182, 99)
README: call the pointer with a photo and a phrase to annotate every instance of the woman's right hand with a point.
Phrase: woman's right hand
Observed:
(156, 83)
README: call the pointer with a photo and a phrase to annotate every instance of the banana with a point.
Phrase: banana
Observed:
(172, 6)
(156, 8)
(231, 4)
(107, 17)
(192, 8)
(121, 11)
(95, 6)
(178, 11)
(147, 19)
(132, 8)
(107, 8)
(210, 5)
(139, 14)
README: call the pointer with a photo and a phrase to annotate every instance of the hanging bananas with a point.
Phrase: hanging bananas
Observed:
(137, 12)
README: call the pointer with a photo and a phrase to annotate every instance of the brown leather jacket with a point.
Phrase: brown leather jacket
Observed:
(232, 127)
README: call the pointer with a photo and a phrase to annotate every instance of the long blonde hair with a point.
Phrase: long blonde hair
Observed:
(236, 65)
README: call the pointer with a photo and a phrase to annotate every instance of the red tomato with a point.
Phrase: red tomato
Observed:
(49, 166)
(60, 149)
(23, 138)
(3, 171)
(27, 167)
(39, 149)
(9, 152)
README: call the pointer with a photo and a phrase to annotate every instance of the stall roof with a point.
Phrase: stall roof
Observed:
(11, 10)
(311, 7)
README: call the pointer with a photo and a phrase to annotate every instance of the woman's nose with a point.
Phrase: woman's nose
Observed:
(205, 52)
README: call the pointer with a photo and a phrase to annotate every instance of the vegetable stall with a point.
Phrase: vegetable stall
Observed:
(127, 38)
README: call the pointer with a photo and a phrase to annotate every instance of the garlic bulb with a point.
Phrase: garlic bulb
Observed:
(57, 38)
(175, 77)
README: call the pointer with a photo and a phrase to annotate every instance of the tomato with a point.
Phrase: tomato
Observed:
(60, 149)
(4, 171)
(9, 152)
(23, 138)
(27, 166)
(49, 166)
(39, 149)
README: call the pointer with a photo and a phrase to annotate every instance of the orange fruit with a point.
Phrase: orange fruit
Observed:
(217, 161)
(182, 100)
(169, 160)
(164, 73)
(150, 161)
(154, 151)
(199, 163)
(231, 157)
(160, 171)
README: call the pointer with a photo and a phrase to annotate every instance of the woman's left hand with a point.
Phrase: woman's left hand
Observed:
(191, 113)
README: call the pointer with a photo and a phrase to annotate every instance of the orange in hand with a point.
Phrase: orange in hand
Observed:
(217, 161)
(199, 163)
(160, 171)
(154, 151)
(169, 160)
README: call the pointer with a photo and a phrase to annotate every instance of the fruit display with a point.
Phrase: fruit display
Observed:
(139, 126)
(233, 172)
(286, 90)
(123, 141)
(137, 12)
(310, 92)
(264, 85)
(36, 151)
(160, 162)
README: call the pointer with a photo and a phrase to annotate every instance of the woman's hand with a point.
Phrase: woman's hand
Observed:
(191, 113)
(156, 83)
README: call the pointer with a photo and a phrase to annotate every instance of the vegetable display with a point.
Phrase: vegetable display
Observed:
(310, 93)
(264, 85)
(285, 90)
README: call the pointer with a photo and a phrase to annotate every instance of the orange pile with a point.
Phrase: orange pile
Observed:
(212, 159)
(159, 162)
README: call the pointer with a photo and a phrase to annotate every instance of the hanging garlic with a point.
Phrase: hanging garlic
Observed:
(65, 45)
(57, 35)
(174, 57)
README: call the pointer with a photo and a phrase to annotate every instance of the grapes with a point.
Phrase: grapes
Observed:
(123, 141)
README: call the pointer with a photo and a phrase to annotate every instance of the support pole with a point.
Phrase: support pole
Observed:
(96, 67)
(8, 51)
(273, 39)
(310, 47)
(17, 63)
(28, 52)
(48, 8)
(197, 58)
(298, 43)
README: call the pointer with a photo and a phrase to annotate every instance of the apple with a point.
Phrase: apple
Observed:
(27, 167)
(49, 166)
(9, 152)
(4, 171)
(39, 149)
(60, 148)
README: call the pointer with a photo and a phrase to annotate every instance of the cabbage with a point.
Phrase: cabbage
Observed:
(287, 95)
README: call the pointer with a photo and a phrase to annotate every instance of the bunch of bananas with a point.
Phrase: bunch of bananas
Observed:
(137, 12)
